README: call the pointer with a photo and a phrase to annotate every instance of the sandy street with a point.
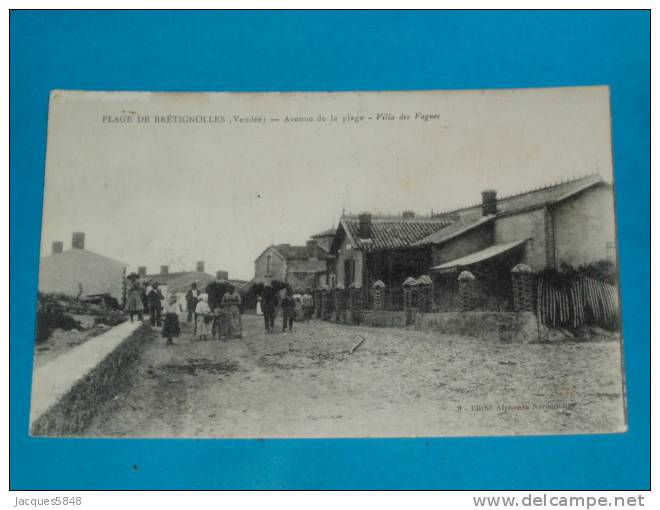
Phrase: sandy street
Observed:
(399, 382)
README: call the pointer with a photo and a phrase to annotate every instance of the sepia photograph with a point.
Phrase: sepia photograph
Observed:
(318, 264)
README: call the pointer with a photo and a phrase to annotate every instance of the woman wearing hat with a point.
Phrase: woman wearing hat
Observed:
(134, 299)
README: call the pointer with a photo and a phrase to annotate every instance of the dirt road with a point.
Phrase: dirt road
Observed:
(397, 383)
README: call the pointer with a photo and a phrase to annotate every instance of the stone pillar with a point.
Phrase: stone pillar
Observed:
(466, 291)
(333, 294)
(408, 286)
(326, 313)
(355, 296)
(317, 303)
(409, 291)
(425, 294)
(379, 295)
(355, 300)
(331, 303)
(323, 303)
(340, 302)
(521, 279)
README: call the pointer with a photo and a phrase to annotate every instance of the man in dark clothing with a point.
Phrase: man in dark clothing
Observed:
(288, 310)
(191, 301)
(268, 306)
(155, 297)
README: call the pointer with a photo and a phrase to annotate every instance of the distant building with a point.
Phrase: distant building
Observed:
(178, 283)
(80, 272)
(568, 223)
(300, 266)
(325, 238)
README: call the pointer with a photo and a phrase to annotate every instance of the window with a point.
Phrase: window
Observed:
(349, 272)
(610, 250)
(269, 258)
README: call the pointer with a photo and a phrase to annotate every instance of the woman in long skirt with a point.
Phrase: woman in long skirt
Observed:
(231, 302)
(134, 301)
(171, 328)
(202, 311)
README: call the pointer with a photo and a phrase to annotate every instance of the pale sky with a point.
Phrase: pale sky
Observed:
(174, 193)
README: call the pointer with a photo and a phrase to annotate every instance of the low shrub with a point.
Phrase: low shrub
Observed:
(51, 317)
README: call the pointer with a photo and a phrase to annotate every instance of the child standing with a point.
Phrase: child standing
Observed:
(171, 328)
(202, 310)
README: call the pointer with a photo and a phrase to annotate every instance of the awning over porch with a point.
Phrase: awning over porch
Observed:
(478, 256)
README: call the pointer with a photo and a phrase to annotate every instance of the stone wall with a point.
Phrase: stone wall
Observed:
(382, 318)
(71, 411)
(492, 326)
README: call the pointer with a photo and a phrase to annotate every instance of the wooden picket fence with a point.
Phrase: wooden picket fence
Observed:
(584, 301)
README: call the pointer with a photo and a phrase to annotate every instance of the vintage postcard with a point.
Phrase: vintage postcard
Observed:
(355, 264)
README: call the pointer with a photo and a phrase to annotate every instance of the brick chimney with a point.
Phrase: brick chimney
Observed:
(488, 202)
(222, 275)
(408, 214)
(364, 227)
(57, 247)
(312, 248)
(142, 271)
(200, 266)
(164, 269)
(78, 241)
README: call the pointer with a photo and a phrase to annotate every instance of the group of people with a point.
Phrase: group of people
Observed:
(295, 306)
(144, 298)
(220, 318)
(223, 321)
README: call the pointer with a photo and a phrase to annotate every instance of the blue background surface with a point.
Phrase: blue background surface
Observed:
(270, 51)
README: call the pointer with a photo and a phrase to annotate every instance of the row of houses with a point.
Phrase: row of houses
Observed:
(568, 223)
(85, 274)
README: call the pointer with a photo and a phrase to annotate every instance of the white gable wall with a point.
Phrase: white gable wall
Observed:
(66, 272)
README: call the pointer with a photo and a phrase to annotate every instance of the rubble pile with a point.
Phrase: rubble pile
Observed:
(64, 322)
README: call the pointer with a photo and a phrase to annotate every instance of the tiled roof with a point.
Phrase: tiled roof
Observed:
(307, 266)
(454, 230)
(393, 232)
(399, 232)
(78, 254)
(533, 198)
(325, 233)
(479, 256)
(291, 252)
(297, 252)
